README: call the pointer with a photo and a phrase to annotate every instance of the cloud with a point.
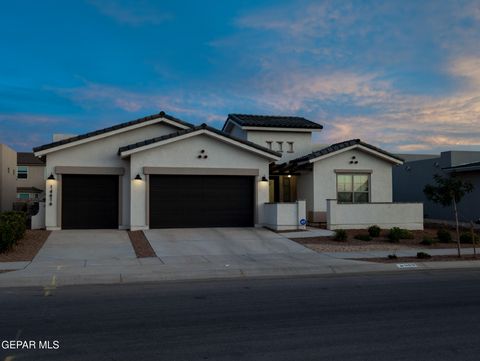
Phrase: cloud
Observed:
(25, 118)
(202, 106)
(132, 13)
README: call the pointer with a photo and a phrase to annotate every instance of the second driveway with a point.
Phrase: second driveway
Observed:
(228, 246)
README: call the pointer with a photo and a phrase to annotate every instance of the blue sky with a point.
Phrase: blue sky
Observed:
(402, 75)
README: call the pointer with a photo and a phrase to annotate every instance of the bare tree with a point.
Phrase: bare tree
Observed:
(448, 191)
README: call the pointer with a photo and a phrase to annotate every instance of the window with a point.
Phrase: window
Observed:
(353, 188)
(22, 172)
(280, 146)
(23, 196)
(269, 144)
(290, 147)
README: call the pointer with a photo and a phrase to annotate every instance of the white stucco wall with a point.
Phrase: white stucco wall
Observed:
(285, 216)
(384, 215)
(98, 153)
(302, 142)
(305, 189)
(325, 179)
(184, 154)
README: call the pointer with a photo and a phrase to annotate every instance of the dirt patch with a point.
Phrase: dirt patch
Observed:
(381, 243)
(415, 259)
(27, 248)
(141, 245)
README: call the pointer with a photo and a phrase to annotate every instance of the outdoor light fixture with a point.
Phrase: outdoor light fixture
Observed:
(51, 177)
(138, 177)
(289, 176)
(264, 179)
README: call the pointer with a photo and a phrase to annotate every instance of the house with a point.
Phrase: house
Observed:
(8, 164)
(162, 172)
(30, 177)
(411, 178)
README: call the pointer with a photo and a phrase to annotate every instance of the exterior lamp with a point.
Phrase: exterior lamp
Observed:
(51, 177)
(138, 177)
(289, 176)
(264, 179)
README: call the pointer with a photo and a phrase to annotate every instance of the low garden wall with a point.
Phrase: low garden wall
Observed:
(285, 216)
(364, 215)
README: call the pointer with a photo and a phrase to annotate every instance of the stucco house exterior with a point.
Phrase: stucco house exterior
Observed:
(8, 177)
(418, 170)
(30, 177)
(162, 172)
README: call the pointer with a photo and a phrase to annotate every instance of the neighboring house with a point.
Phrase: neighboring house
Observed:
(8, 164)
(30, 178)
(161, 172)
(411, 178)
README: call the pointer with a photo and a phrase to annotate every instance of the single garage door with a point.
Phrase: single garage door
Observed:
(89, 201)
(180, 201)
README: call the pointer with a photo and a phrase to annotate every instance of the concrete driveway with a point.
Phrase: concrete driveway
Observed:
(235, 246)
(79, 247)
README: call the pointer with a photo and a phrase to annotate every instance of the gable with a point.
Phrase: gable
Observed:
(194, 132)
(112, 131)
(199, 151)
(103, 151)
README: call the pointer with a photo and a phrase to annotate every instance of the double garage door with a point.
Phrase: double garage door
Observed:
(175, 201)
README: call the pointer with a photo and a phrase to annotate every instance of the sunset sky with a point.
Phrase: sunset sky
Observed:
(402, 75)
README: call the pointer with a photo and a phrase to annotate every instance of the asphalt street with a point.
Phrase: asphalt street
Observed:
(401, 316)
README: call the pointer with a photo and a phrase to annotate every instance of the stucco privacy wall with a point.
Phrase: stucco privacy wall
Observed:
(184, 154)
(364, 215)
(325, 179)
(285, 216)
(8, 177)
(97, 153)
(302, 142)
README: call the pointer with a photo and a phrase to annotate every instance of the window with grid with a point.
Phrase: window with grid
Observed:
(353, 188)
(22, 172)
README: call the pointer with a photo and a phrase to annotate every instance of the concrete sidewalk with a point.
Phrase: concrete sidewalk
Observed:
(50, 276)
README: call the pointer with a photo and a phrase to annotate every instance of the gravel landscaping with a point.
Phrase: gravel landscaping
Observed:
(26, 248)
(381, 243)
(141, 245)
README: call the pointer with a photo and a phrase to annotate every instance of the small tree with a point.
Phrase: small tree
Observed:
(448, 191)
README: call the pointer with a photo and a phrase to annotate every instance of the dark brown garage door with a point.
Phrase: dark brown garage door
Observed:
(178, 201)
(89, 201)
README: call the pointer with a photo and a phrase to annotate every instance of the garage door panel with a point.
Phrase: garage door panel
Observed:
(201, 201)
(89, 201)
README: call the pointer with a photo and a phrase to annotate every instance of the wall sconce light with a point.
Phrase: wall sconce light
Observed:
(264, 179)
(138, 177)
(289, 176)
(51, 177)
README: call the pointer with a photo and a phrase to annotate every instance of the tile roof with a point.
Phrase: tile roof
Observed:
(28, 158)
(191, 130)
(110, 129)
(339, 146)
(29, 190)
(272, 121)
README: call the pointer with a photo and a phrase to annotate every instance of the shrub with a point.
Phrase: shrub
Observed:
(427, 241)
(392, 256)
(444, 236)
(467, 238)
(423, 255)
(12, 229)
(363, 237)
(396, 234)
(374, 231)
(340, 235)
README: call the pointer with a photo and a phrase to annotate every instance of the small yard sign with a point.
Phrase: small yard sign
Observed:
(406, 265)
(303, 221)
